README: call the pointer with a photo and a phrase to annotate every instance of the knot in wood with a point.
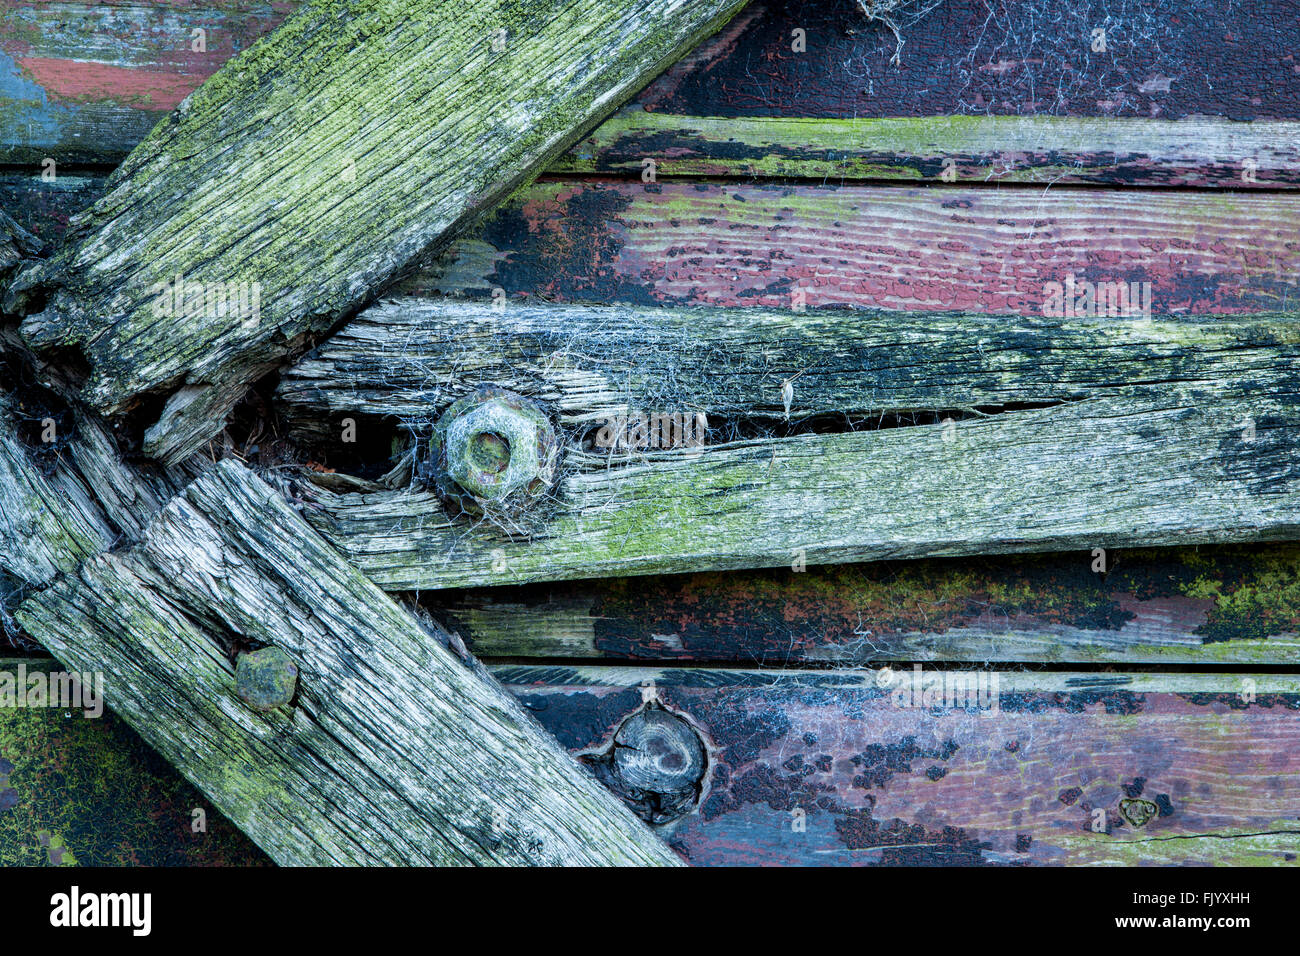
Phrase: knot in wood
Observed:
(493, 452)
(265, 679)
(659, 761)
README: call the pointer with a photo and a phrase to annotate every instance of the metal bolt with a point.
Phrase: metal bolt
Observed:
(265, 679)
(493, 453)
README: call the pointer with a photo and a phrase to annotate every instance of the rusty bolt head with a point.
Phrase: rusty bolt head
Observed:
(493, 452)
(265, 679)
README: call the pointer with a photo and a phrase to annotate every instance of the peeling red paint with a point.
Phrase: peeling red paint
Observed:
(78, 80)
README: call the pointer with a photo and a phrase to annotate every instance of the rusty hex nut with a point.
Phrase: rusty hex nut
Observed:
(493, 453)
(265, 679)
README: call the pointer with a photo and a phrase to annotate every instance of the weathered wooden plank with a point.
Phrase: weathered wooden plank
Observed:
(1193, 152)
(1006, 57)
(49, 519)
(823, 768)
(984, 250)
(18, 247)
(393, 750)
(1202, 606)
(279, 200)
(85, 790)
(410, 358)
(833, 436)
(88, 83)
(886, 247)
(785, 742)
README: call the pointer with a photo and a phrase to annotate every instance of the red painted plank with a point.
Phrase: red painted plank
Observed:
(846, 768)
(883, 247)
(86, 82)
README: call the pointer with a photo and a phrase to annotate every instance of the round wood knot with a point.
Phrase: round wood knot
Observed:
(265, 679)
(656, 750)
(656, 762)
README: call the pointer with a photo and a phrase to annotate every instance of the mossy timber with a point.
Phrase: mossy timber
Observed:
(396, 750)
(1043, 435)
(399, 121)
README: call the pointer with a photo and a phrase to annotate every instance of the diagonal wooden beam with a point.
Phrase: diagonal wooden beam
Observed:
(393, 750)
(314, 167)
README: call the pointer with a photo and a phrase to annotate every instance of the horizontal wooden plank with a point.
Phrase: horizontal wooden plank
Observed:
(884, 247)
(388, 747)
(1202, 606)
(1006, 57)
(1017, 786)
(847, 767)
(78, 790)
(1051, 150)
(947, 435)
(88, 82)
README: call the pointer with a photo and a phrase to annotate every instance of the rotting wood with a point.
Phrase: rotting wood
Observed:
(1201, 606)
(922, 435)
(364, 176)
(848, 767)
(395, 751)
(18, 248)
(48, 522)
(66, 491)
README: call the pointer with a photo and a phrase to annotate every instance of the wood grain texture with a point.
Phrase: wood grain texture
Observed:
(1004, 102)
(305, 189)
(948, 434)
(49, 520)
(67, 488)
(901, 248)
(826, 768)
(395, 751)
(1190, 606)
(993, 250)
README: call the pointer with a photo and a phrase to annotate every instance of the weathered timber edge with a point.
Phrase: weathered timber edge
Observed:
(394, 752)
(1190, 152)
(361, 179)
